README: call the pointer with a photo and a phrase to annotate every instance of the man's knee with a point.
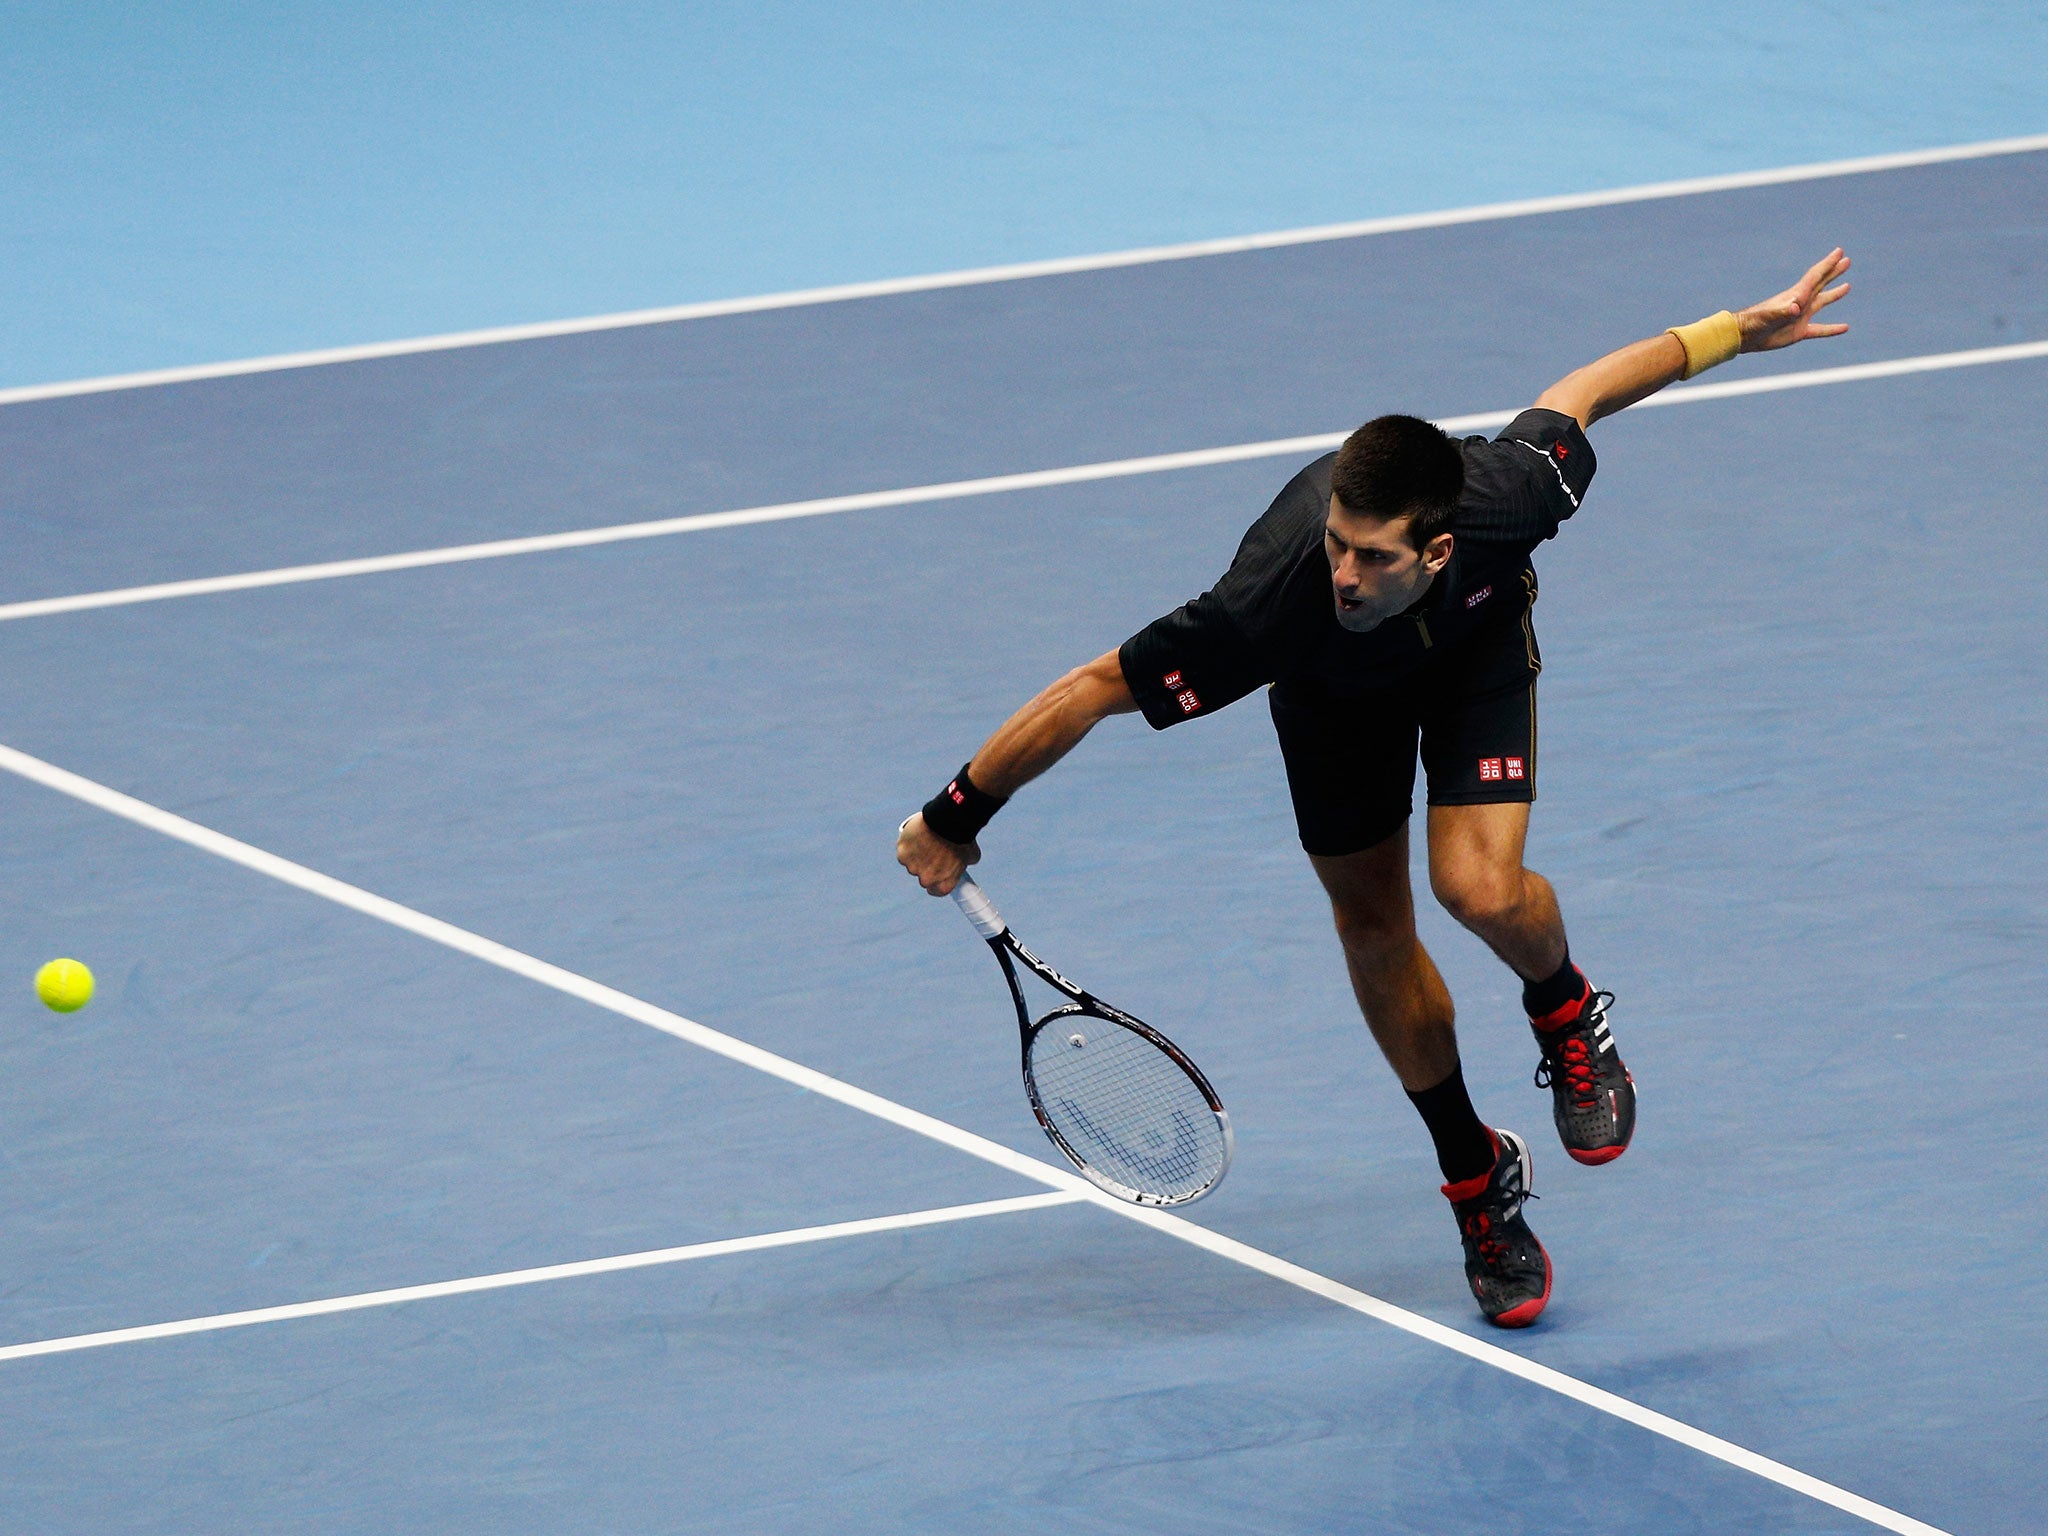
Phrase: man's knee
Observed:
(1369, 897)
(1369, 929)
(1478, 894)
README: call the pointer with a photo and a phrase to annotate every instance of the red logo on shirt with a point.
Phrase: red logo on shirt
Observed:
(1560, 450)
(1489, 770)
(1515, 768)
(1172, 679)
(1478, 597)
(1188, 702)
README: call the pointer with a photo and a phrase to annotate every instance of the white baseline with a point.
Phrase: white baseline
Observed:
(733, 1049)
(952, 490)
(1015, 271)
(579, 1269)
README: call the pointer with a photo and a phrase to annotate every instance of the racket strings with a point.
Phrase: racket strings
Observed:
(1126, 1108)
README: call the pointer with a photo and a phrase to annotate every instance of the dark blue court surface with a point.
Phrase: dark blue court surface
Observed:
(1792, 731)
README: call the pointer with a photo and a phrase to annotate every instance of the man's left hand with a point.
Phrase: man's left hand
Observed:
(1780, 321)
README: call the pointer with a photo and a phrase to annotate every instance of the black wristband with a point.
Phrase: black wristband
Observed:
(960, 810)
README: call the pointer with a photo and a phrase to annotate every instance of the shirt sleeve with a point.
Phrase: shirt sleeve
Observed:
(1234, 638)
(1524, 483)
(1191, 662)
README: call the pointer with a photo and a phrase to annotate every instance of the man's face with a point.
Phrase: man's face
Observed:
(1374, 571)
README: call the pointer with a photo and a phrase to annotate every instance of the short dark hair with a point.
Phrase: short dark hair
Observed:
(1401, 466)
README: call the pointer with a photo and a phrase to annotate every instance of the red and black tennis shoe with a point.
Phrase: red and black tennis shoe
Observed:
(1592, 1096)
(1507, 1268)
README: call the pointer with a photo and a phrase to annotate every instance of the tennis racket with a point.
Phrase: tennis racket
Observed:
(1121, 1101)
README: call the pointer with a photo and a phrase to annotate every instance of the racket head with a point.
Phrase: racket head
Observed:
(1126, 1106)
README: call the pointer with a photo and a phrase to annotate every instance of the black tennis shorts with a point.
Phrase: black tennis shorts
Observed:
(1351, 761)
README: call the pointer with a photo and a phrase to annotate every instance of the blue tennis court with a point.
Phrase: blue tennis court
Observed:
(416, 894)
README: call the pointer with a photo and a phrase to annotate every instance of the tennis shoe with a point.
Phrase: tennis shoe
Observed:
(1592, 1096)
(1506, 1266)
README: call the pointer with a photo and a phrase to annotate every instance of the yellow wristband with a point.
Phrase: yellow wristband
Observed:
(1709, 342)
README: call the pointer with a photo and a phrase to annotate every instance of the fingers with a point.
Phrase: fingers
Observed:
(1820, 301)
(1825, 270)
(1788, 318)
(939, 881)
(1803, 298)
(1762, 323)
(935, 863)
(938, 878)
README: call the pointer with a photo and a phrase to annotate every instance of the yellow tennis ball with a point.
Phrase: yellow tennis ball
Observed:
(65, 985)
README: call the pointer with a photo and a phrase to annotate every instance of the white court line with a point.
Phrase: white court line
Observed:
(950, 490)
(547, 1272)
(1059, 266)
(694, 523)
(947, 1134)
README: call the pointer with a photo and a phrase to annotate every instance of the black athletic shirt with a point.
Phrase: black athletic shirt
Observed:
(1273, 616)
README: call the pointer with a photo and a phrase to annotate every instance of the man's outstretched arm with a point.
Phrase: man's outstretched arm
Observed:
(1640, 369)
(1023, 747)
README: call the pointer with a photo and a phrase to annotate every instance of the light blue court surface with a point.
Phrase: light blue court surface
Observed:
(1791, 725)
(205, 181)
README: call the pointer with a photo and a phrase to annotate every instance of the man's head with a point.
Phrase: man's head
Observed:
(1393, 493)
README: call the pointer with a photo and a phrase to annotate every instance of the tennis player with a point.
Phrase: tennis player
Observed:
(1386, 598)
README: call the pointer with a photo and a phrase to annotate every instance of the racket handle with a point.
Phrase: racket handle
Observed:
(978, 909)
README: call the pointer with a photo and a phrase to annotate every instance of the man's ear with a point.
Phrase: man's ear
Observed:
(1436, 554)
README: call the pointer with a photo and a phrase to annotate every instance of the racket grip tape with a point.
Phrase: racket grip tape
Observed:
(978, 909)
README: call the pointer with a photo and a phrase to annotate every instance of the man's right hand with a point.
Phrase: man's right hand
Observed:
(937, 863)
(1028, 743)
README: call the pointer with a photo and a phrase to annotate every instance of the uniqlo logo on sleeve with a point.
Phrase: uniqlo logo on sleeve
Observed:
(1188, 702)
(1515, 768)
(1489, 770)
(1172, 680)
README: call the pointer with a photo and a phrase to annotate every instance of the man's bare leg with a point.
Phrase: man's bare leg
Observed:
(1404, 999)
(1476, 870)
(1409, 1010)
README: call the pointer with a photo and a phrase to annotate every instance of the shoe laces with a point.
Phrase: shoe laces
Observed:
(1482, 1228)
(1491, 1250)
(1568, 1057)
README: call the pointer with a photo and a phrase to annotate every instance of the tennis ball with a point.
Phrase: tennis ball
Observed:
(64, 985)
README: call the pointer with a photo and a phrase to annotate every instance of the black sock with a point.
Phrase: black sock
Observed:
(1543, 998)
(1464, 1146)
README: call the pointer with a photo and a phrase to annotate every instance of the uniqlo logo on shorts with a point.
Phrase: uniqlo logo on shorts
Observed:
(1172, 679)
(1188, 702)
(1489, 770)
(1515, 769)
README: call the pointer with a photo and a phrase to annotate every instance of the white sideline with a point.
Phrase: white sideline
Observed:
(950, 490)
(1012, 272)
(498, 1282)
(568, 982)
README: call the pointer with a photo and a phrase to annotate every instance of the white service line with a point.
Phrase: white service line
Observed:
(1071, 1185)
(546, 1272)
(951, 490)
(1847, 373)
(1014, 271)
(697, 522)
